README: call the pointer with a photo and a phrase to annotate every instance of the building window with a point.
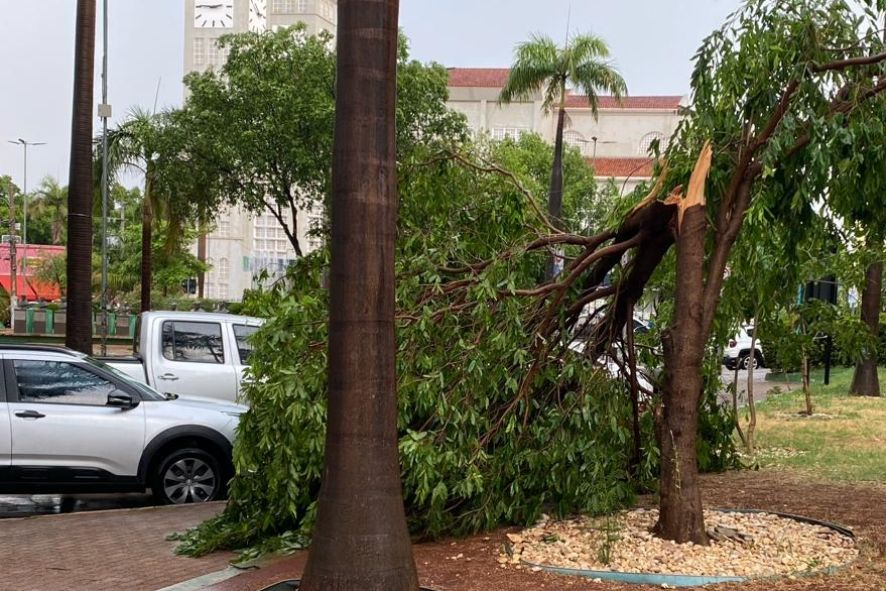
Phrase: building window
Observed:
(647, 140)
(327, 10)
(224, 278)
(290, 6)
(215, 56)
(199, 52)
(271, 248)
(315, 227)
(223, 229)
(576, 140)
(514, 133)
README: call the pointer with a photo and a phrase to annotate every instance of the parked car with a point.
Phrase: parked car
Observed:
(738, 352)
(193, 354)
(71, 424)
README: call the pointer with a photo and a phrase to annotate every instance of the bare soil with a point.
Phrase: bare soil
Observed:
(472, 564)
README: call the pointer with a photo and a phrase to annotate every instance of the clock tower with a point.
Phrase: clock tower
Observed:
(207, 20)
(241, 245)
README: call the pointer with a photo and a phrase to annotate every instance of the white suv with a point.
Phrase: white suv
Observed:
(71, 424)
(739, 354)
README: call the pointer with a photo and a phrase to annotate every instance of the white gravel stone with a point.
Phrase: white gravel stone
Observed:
(769, 545)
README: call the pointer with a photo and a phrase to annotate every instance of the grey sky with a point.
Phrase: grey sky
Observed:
(652, 42)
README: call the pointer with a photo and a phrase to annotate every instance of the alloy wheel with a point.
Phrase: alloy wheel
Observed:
(189, 480)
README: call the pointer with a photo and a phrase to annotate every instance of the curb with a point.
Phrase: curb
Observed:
(204, 581)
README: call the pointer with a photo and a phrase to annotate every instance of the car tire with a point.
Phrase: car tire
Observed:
(189, 475)
(746, 360)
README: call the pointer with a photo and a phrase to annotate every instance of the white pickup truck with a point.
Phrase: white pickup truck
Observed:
(192, 354)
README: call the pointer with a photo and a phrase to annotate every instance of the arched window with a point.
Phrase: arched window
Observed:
(647, 140)
(576, 140)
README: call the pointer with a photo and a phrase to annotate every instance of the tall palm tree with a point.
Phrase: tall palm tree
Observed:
(52, 202)
(541, 66)
(361, 541)
(134, 145)
(78, 331)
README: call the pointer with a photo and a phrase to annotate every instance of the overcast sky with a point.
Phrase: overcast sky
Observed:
(652, 42)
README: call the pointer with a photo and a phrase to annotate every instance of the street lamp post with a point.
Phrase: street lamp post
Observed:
(24, 144)
(104, 111)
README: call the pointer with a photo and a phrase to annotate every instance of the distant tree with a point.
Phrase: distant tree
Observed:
(51, 208)
(175, 194)
(78, 333)
(262, 126)
(859, 197)
(540, 66)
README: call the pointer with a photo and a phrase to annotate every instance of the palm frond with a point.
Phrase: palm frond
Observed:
(535, 62)
(591, 77)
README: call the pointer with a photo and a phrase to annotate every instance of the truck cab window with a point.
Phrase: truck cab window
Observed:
(194, 342)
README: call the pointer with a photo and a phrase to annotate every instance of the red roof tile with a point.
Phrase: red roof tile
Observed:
(497, 77)
(621, 167)
(665, 103)
(478, 77)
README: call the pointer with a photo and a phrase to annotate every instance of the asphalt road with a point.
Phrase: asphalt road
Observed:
(29, 505)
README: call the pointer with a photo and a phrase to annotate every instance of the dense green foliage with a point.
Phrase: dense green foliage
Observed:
(260, 129)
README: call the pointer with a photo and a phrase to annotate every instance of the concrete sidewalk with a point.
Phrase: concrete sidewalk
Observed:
(103, 550)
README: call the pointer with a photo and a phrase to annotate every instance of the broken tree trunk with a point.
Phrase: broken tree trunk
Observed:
(680, 509)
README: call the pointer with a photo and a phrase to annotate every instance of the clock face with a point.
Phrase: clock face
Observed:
(258, 16)
(214, 14)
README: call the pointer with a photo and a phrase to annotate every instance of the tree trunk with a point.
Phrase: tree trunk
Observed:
(681, 518)
(360, 541)
(201, 256)
(78, 333)
(147, 263)
(741, 434)
(807, 390)
(635, 394)
(866, 382)
(555, 196)
(752, 406)
(680, 510)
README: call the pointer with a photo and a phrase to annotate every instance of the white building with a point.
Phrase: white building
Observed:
(616, 144)
(243, 244)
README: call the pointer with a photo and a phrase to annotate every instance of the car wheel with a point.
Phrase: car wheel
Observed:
(749, 360)
(188, 476)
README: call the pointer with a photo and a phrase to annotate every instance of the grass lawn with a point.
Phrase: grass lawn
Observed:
(844, 439)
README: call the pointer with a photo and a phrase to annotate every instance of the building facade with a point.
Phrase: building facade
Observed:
(616, 143)
(242, 245)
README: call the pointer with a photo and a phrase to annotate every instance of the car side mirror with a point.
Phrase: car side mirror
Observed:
(121, 399)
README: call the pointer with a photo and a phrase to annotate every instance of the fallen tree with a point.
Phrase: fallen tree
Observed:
(499, 418)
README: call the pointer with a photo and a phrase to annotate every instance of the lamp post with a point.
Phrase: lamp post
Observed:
(105, 112)
(24, 144)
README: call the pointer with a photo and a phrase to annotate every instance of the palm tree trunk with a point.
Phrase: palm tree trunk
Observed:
(361, 541)
(147, 242)
(555, 195)
(866, 382)
(78, 332)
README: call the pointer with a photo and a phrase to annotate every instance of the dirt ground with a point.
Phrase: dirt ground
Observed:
(861, 507)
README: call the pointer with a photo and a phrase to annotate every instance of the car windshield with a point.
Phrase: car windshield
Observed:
(147, 392)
